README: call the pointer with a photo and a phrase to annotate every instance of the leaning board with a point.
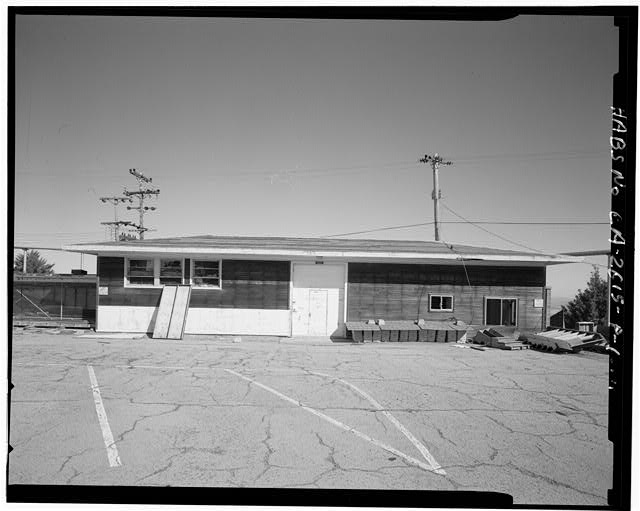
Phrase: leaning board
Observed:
(179, 316)
(165, 310)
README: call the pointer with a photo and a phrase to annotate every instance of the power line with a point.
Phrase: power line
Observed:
(481, 222)
(490, 232)
(515, 242)
(464, 267)
(558, 155)
(377, 230)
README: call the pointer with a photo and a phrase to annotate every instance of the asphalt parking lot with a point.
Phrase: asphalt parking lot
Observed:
(295, 413)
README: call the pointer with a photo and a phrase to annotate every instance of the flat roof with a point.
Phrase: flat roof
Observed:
(284, 247)
(56, 277)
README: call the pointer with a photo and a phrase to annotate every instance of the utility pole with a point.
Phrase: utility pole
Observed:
(435, 162)
(115, 225)
(144, 191)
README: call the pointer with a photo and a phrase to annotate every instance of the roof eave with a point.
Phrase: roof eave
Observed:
(98, 249)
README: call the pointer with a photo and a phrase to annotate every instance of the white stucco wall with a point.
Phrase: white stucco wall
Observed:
(199, 320)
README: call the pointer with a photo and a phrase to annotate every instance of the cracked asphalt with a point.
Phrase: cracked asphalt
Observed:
(527, 423)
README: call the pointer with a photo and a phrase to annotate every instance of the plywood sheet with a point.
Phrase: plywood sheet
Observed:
(165, 310)
(179, 315)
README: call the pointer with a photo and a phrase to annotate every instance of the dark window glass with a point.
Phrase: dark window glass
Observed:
(493, 311)
(206, 273)
(509, 312)
(171, 271)
(441, 303)
(140, 271)
(501, 311)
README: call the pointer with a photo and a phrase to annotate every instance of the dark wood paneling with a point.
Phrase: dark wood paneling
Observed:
(140, 297)
(413, 303)
(401, 292)
(421, 274)
(248, 285)
(245, 285)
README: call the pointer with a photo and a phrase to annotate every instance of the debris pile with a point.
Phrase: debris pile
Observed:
(495, 339)
(563, 340)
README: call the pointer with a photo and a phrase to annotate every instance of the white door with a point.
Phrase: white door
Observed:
(318, 311)
(317, 300)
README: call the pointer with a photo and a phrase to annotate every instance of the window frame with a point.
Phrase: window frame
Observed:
(159, 269)
(192, 268)
(441, 296)
(501, 298)
(127, 283)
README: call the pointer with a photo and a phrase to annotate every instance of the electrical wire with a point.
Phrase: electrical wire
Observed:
(377, 230)
(482, 222)
(365, 167)
(464, 266)
(552, 155)
(511, 241)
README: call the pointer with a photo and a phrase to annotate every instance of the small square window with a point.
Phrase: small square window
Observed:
(441, 303)
(205, 273)
(140, 272)
(170, 271)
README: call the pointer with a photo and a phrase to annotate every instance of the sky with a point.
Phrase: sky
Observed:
(271, 127)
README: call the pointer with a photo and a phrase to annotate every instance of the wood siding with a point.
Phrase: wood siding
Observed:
(422, 274)
(245, 285)
(397, 292)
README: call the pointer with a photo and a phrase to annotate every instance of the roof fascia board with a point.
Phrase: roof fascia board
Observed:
(289, 253)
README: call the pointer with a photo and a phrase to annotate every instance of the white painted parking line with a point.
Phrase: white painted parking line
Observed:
(162, 368)
(341, 425)
(35, 364)
(112, 450)
(418, 445)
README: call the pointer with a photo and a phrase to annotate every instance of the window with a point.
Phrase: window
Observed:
(501, 311)
(441, 303)
(205, 273)
(170, 271)
(140, 272)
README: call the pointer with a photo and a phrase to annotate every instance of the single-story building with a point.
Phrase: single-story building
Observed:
(311, 286)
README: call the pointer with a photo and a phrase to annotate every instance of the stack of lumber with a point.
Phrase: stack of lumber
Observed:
(563, 339)
(495, 339)
(363, 331)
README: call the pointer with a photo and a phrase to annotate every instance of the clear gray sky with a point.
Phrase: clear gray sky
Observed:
(314, 127)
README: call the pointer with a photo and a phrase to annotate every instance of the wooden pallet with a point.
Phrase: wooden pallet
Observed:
(494, 339)
(515, 346)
